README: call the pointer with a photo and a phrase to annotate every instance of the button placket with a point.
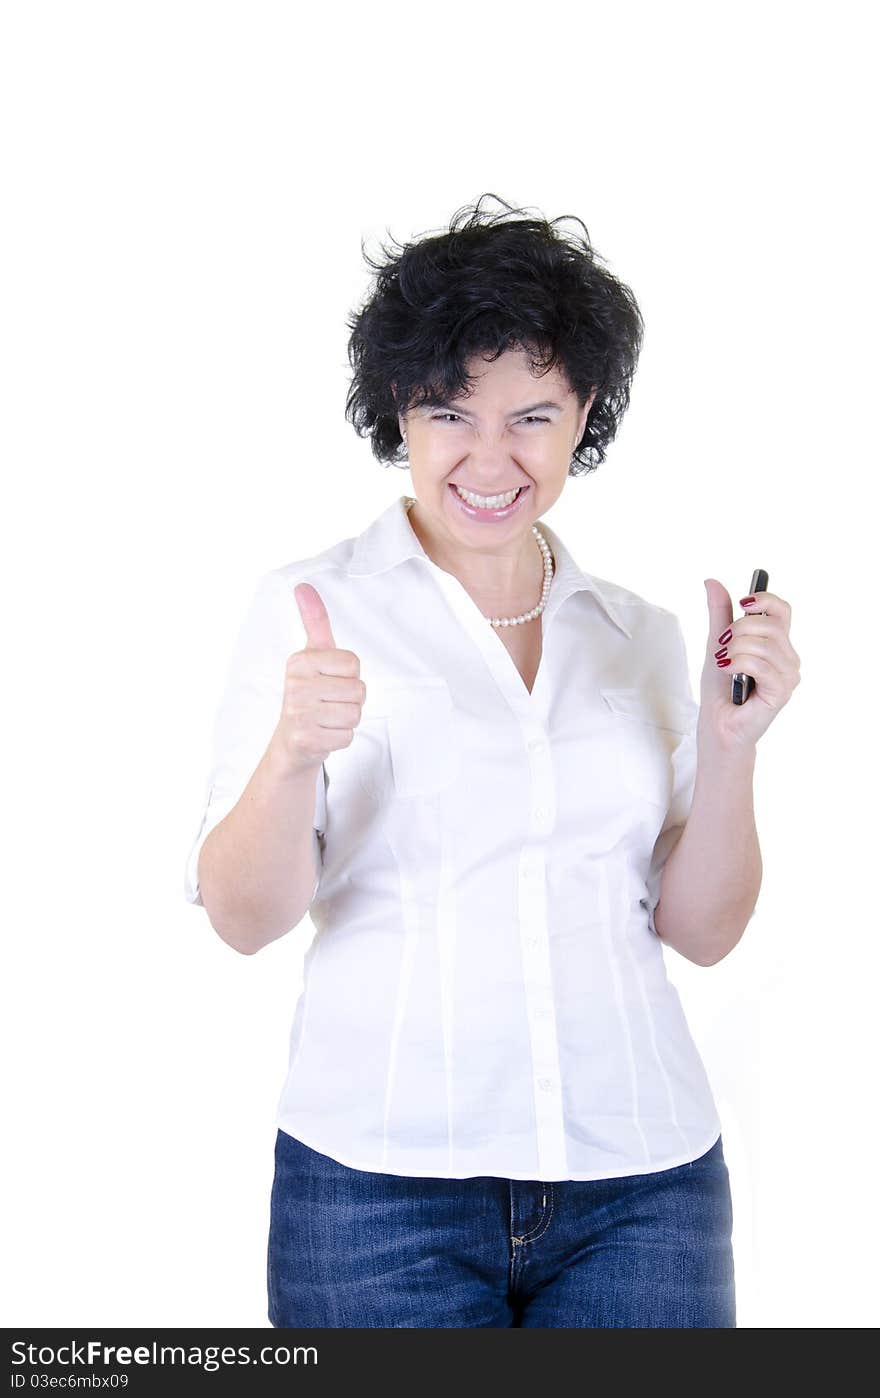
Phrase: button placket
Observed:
(541, 772)
(546, 1077)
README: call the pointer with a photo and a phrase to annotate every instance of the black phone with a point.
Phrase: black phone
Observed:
(741, 686)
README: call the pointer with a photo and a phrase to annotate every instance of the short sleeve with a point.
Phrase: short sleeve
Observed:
(248, 713)
(684, 772)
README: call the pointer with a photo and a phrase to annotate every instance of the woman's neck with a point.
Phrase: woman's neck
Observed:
(501, 584)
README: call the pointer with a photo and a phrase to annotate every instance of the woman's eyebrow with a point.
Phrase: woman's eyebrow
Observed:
(518, 412)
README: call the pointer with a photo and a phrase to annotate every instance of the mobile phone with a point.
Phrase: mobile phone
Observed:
(741, 686)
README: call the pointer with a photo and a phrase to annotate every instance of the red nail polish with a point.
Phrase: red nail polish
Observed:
(746, 601)
(722, 640)
(723, 662)
(719, 654)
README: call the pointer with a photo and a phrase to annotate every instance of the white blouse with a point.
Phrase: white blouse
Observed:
(486, 991)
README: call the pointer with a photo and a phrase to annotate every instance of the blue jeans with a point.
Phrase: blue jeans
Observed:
(355, 1248)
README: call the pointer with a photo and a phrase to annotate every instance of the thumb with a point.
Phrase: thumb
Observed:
(720, 613)
(314, 617)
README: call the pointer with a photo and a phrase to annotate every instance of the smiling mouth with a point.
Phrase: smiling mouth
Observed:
(497, 501)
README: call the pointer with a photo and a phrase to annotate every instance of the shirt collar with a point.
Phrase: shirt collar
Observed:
(390, 540)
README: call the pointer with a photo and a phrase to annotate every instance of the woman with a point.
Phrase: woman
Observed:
(482, 772)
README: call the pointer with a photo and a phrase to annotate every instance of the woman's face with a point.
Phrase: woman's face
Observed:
(515, 432)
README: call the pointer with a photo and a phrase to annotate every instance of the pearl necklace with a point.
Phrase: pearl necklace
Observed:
(545, 590)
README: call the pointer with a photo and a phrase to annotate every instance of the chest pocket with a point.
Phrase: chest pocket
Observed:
(407, 743)
(646, 728)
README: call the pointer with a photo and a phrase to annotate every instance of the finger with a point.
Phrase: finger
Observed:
(753, 662)
(767, 602)
(758, 631)
(339, 714)
(314, 618)
(771, 678)
(771, 627)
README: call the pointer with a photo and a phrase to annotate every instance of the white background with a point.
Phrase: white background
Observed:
(186, 188)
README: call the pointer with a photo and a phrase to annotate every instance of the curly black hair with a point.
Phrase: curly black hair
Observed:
(487, 284)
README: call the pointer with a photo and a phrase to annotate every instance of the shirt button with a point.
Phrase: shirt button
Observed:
(536, 745)
(540, 813)
(545, 1084)
(543, 1014)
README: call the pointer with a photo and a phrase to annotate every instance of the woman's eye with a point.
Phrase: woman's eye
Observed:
(442, 417)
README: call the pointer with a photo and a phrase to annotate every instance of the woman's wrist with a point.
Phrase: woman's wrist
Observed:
(284, 768)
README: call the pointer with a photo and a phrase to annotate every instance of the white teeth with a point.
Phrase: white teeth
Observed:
(488, 502)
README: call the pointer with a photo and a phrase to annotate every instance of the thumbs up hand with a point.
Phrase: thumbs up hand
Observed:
(323, 691)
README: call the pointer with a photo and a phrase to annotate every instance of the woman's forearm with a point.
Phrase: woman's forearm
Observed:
(711, 880)
(256, 869)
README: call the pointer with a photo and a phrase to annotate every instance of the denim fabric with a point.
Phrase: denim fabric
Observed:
(355, 1248)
